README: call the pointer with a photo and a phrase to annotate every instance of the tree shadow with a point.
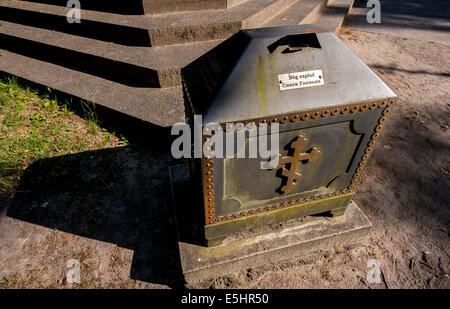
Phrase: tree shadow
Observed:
(407, 14)
(393, 68)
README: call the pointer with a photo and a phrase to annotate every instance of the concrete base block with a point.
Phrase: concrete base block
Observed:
(274, 244)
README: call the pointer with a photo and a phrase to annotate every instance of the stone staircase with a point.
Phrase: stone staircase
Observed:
(127, 57)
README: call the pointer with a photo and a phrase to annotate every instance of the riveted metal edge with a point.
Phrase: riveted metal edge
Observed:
(208, 189)
(371, 145)
(317, 113)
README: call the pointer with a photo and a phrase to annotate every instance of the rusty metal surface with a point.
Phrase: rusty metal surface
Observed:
(291, 173)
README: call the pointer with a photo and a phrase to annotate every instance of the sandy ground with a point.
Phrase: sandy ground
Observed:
(113, 213)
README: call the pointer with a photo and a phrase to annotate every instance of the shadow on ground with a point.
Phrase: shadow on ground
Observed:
(117, 195)
(405, 14)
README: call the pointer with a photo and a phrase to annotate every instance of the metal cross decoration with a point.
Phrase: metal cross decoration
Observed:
(292, 176)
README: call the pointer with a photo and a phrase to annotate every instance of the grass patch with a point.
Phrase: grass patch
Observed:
(34, 127)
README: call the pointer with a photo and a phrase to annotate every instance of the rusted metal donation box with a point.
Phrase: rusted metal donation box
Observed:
(329, 107)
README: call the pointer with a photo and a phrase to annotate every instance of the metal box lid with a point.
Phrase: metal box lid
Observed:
(248, 76)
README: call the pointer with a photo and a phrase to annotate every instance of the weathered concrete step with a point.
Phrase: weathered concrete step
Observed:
(333, 14)
(145, 30)
(147, 6)
(161, 107)
(170, 6)
(136, 66)
(105, 26)
(112, 6)
(301, 12)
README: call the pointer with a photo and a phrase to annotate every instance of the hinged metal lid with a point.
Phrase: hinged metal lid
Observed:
(275, 71)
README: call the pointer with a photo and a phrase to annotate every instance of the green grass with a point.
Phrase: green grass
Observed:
(34, 127)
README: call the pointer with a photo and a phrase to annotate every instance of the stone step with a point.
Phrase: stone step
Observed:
(333, 14)
(135, 66)
(329, 14)
(160, 107)
(147, 6)
(170, 6)
(108, 27)
(113, 6)
(300, 12)
(146, 30)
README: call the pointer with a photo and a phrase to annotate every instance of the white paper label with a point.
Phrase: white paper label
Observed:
(300, 79)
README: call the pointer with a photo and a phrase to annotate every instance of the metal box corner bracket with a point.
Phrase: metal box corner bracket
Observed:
(330, 108)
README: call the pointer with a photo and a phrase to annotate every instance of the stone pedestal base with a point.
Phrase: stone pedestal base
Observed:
(287, 241)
